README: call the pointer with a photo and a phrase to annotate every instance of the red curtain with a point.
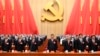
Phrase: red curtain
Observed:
(17, 13)
(73, 23)
(87, 29)
(8, 17)
(29, 18)
(17, 21)
(90, 24)
(1, 14)
(95, 17)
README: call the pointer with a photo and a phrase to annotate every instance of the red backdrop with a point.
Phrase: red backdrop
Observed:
(13, 22)
(90, 18)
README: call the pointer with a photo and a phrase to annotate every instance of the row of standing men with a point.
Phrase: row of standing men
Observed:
(77, 43)
(18, 42)
(80, 43)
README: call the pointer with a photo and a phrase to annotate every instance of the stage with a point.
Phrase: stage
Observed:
(49, 54)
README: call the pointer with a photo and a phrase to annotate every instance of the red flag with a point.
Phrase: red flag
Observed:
(1, 16)
(95, 17)
(74, 21)
(28, 18)
(87, 29)
(17, 17)
(8, 18)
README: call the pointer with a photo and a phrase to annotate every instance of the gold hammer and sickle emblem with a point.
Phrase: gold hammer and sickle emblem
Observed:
(57, 14)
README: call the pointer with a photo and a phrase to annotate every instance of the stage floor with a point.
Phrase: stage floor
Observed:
(49, 54)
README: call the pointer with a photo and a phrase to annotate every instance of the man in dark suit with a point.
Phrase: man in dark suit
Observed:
(98, 37)
(39, 39)
(67, 43)
(52, 44)
(27, 42)
(87, 42)
(76, 43)
(33, 44)
(19, 44)
(80, 43)
(12, 38)
(6, 43)
(0, 42)
(93, 43)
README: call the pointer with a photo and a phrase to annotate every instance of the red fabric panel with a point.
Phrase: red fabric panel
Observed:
(8, 17)
(29, 22)
(74, 27)
(27, 27)
(1, 16)
(73, 23)
(17, 16)
(87, 29)
(95, 17)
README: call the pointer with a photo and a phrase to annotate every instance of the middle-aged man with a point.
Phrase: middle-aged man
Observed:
(52, 44)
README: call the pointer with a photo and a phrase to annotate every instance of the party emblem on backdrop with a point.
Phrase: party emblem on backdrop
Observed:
(53, 11)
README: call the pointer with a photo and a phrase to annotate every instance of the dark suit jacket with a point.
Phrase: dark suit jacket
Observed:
(52, 45)
(19, 46)
(34, 45)
(87, 43)
(67, 46)
(6, 46)
(27, 41)
(94, 45)
(0, 41)
(98, 44)
(81, 45)
(76, 44)
(39, 41)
